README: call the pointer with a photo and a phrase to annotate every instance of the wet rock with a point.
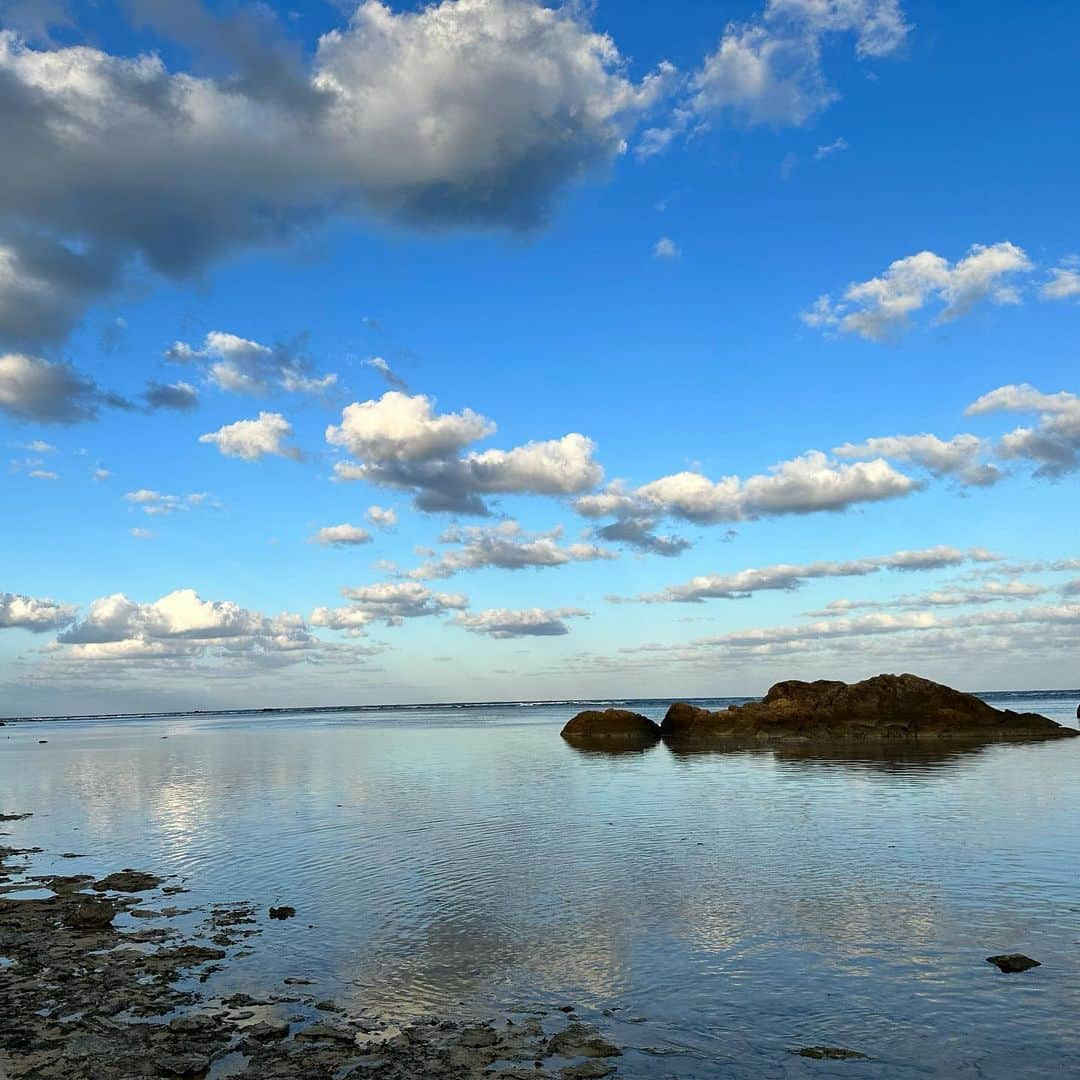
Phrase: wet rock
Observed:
(267, 1030)
(327, 1031)
(1011, 963)
(611, 725)
(884, 708)
(829, 1053)
(587, 1070)
(128, 881)
(89, 913)
(580, 1040)
(328, 1006)
(478, 1036)
(183, 1064)
(292, 980)
(283, 912)
(14, 817)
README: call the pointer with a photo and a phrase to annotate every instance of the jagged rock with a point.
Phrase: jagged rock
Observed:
(283, 912)
(1011, 963)
(886, 707)
(578, 1040)
(89, 913)
(183, 1064)
(267, 1029)
(128, 881)
(611, 725)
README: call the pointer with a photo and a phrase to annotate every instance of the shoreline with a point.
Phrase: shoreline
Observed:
(87, 999)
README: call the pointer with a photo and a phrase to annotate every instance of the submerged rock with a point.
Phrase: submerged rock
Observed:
(886, 707)
(283, 912)
(1011, 963)
(829, 1053)
(579, 1040)
(611, 725)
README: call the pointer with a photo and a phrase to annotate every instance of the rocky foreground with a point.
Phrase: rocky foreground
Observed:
(82, 998)
(886, 708)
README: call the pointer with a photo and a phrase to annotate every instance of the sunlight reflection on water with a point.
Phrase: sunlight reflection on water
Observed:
(736, 904)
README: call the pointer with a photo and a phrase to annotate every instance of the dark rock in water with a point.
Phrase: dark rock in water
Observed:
(14, 817)
(1011, 963)
(267, 1029)
(884, 708)
(579, 1040)
(614, 725)
(183, 1064)
(128, 881)
(89, 913)
(283, 912)
(588, 1070)
(829, 1053)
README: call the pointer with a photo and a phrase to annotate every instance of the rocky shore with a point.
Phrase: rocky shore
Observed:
(84, 998)
(886, 709)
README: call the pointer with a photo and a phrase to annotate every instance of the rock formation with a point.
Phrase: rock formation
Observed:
(886, 707)
(611, 726)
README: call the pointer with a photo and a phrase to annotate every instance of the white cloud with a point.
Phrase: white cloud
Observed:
(1064, 283)
(383, 368)
(102, 474)
(991, 592)
(142, 534)
(666, 248)
(43, 474)
(769, 71)
(881, 308)
(180, 629)
(508, 547)
(243, 366)
(838, 145)
(1054, 443)
(500, 623)
(788, 577)
(48, 392)
(155, 503)
(398, 427)
(960, 457)
(403, 443)
(341, 536)
(37, 616)
(387, 602)
(381, 517)
(803, 485)
(467, 113)
(254, 439)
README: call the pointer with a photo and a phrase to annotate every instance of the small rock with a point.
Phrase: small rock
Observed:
(327, 1031)
(266, 1030)
(183, 1064)
(1011, 963)
(587, 1070)
(328, 1006)
(14, 817)
(291, 980)
(477, 1037)
(89, 913)
(128, 881)
(580, 1041)
(829, 1053)
(283, 912)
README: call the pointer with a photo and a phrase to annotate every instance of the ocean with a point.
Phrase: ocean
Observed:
(710, 911)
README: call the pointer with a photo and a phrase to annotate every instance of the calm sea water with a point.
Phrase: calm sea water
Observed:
(728, 906)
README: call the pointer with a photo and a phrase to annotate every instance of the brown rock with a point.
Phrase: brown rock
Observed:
(886, 707)
(128, 881)
(89, 913)
(578, 1040)
(611, 725)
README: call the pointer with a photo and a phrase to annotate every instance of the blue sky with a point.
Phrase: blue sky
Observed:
(633, 252)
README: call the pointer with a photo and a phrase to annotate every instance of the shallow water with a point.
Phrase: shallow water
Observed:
(733, 905)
